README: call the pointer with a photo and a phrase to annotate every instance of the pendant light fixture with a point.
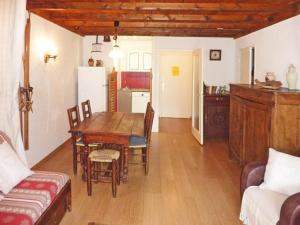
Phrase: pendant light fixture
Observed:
(96, 47)
(115, 53)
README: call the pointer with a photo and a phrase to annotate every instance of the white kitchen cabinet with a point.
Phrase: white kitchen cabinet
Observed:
(139, 101)
(139, 61)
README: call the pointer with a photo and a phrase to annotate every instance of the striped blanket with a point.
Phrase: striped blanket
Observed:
(26, 202)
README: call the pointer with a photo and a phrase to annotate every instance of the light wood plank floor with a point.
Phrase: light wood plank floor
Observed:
(187, 185)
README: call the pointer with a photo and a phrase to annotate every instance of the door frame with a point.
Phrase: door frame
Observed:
(198, 134)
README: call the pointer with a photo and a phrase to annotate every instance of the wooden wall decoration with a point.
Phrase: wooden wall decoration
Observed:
(25, 92)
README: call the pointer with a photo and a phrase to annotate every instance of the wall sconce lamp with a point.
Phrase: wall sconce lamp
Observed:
(49, 58)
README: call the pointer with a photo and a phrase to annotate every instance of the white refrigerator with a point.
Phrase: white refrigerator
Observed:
(92, 85)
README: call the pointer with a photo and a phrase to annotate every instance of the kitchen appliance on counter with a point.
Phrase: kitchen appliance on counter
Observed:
(133, 100)
(124, 100)
(139, 101)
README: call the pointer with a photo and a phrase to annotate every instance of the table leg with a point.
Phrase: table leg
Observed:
(125, 175)
(74, 154)
(84, 165)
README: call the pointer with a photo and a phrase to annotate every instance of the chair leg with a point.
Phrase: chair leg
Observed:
(89, 180)
(75, 159)
(114, 183)
(146, 160)
(118, 171)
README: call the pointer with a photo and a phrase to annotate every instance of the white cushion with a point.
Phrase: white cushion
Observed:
(282, 173)
(260, 206)
(12, 169)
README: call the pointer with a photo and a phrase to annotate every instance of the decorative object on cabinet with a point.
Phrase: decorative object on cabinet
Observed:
(91, 61)
(216, 116)
(270, 76)
(99, 62)
(96, 47)
(271, 84)
(112, 91)
(292, 77)
(262, 118)
(215, 54)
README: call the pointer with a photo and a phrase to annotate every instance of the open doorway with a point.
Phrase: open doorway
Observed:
(175, 71)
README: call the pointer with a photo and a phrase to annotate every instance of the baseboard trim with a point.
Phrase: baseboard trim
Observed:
(51, 154)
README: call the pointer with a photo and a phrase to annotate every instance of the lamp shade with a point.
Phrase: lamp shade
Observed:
(116, 52)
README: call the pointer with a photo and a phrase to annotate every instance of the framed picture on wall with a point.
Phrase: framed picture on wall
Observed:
(215, 54)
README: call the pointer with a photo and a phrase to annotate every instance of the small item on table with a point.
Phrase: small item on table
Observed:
(271, 84)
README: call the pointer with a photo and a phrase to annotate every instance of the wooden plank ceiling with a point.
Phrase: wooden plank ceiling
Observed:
(194, 18)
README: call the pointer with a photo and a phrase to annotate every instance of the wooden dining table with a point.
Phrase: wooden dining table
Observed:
(112, 125)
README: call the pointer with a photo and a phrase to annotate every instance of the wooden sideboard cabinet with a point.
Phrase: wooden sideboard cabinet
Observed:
(262, 118)
(216, 116)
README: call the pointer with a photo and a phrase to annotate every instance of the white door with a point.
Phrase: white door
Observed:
(197, 101)
(176, 84)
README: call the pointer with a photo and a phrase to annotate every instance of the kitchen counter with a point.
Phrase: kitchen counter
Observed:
(134, 90)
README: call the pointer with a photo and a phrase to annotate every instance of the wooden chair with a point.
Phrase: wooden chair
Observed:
(143, 143)
(86, 109)
(74, 120)
(110, 154)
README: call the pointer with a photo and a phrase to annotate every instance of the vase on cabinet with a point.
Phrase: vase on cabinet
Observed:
(91, 62)
(292, 77)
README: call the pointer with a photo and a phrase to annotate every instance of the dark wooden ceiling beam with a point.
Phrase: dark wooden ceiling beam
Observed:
(158, 32)
(157, 24)
(209, 18)
(153, 12)
(151, 17)
(196, 6)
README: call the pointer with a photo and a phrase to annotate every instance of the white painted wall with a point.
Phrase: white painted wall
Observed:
(55, 87)
(276, 47)
(215, 72)
(86, 48)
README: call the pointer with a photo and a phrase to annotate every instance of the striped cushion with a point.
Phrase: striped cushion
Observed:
(137, 142)
(26, 202)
